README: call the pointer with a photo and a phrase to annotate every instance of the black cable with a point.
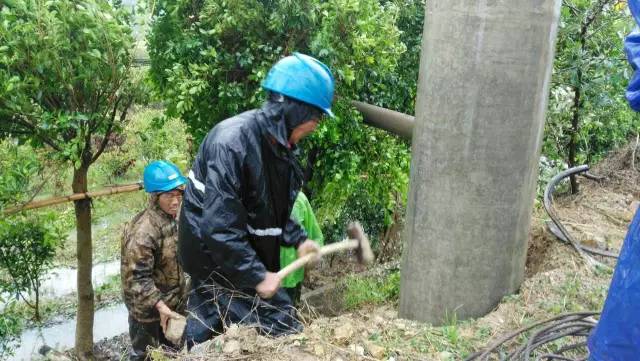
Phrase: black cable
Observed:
(575, 325)
(560, 231)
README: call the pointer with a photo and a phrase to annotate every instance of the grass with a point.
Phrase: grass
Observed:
(569, 287)
(371, 290)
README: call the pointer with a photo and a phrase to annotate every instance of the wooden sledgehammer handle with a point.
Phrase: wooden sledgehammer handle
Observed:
(332, 248)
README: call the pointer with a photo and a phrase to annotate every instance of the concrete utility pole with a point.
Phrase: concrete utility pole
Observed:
(483, 87)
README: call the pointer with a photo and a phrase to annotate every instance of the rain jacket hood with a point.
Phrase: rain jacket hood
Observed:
(288, 112)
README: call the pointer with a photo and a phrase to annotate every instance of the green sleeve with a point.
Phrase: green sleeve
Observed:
(303, 214)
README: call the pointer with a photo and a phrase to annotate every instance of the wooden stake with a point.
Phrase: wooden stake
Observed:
(74, 197)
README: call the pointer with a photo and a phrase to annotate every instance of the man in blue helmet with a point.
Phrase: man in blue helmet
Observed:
(237, 205)
(153, 283)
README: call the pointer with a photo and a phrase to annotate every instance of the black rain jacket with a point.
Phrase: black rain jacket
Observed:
(236, 208)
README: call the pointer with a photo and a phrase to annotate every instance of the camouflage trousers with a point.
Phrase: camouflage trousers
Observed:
(144, 335)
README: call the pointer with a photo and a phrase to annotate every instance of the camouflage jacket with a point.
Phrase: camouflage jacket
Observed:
(149, 267)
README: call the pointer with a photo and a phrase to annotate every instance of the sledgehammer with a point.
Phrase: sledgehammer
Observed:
(357, 240)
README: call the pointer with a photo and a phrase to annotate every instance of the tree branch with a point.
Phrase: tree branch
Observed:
(105, 140)
(103, 143)
(597, 10)
(35, 131)
(571, 7)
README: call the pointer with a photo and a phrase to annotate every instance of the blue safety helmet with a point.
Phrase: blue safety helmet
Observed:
(303, 78)
(162, 176)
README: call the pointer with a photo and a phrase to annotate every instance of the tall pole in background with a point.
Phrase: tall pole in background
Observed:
(483, 86)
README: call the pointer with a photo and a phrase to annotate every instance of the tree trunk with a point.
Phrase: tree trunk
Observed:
(37, 315)
(575, 128)
(84, 324)
(485, 69)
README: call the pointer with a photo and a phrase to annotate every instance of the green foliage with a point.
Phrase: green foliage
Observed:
(18, 165)
(589, 79)
(143, 140)
(27, 248)
(10, 328)
(65, 79)
(371, 290)
(208, 58)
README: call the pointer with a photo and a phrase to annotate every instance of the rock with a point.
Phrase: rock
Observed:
(445, 356)
(357, 349)
(299, 355)
(378, 320)
(202, 348)
(232, 331)
(51, 354)
(391, 314)
(343, 333)
(175, 329)
(375, 351)
(318, 350)
(400, 325)
(231, 347)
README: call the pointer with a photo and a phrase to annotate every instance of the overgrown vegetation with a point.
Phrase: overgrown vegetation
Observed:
(588, 114)
(10, 327)
(27, 248)
(66, 103)
(66, 86)
(208, 58)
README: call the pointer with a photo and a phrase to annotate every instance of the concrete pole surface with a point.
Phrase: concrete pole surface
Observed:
(483, 86)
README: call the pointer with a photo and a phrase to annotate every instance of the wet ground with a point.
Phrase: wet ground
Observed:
(108, 322)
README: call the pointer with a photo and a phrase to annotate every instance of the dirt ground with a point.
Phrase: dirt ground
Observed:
(557, 281)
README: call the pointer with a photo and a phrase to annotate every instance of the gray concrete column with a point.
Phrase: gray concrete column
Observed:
(483, 86)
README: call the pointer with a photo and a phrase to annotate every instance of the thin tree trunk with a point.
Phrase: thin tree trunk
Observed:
(37, 292)
(575, 128)
(84, 324)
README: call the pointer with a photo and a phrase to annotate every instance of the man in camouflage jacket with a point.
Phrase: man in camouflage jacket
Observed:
(153, 282)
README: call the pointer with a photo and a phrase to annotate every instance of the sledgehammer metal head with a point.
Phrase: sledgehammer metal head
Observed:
(363, 252)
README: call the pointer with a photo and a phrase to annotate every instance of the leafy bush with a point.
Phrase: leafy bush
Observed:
(18, 166)
(588, 114)
(10, 328)
(208, 58)
(27, 248)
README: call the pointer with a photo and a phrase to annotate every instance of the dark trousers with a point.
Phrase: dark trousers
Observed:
(210, 308)
(294, 293)
(143, 335)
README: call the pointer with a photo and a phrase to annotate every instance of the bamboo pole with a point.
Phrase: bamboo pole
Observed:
(74, 197)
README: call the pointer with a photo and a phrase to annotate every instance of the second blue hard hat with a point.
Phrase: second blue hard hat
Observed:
(162, 176)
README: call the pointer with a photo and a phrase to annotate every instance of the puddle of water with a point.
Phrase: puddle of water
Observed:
(62, 281)
(108, 322)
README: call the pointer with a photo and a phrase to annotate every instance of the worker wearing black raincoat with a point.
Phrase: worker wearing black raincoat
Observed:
(237, 205)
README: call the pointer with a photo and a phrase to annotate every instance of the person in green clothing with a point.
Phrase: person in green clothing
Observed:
(303, 214)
